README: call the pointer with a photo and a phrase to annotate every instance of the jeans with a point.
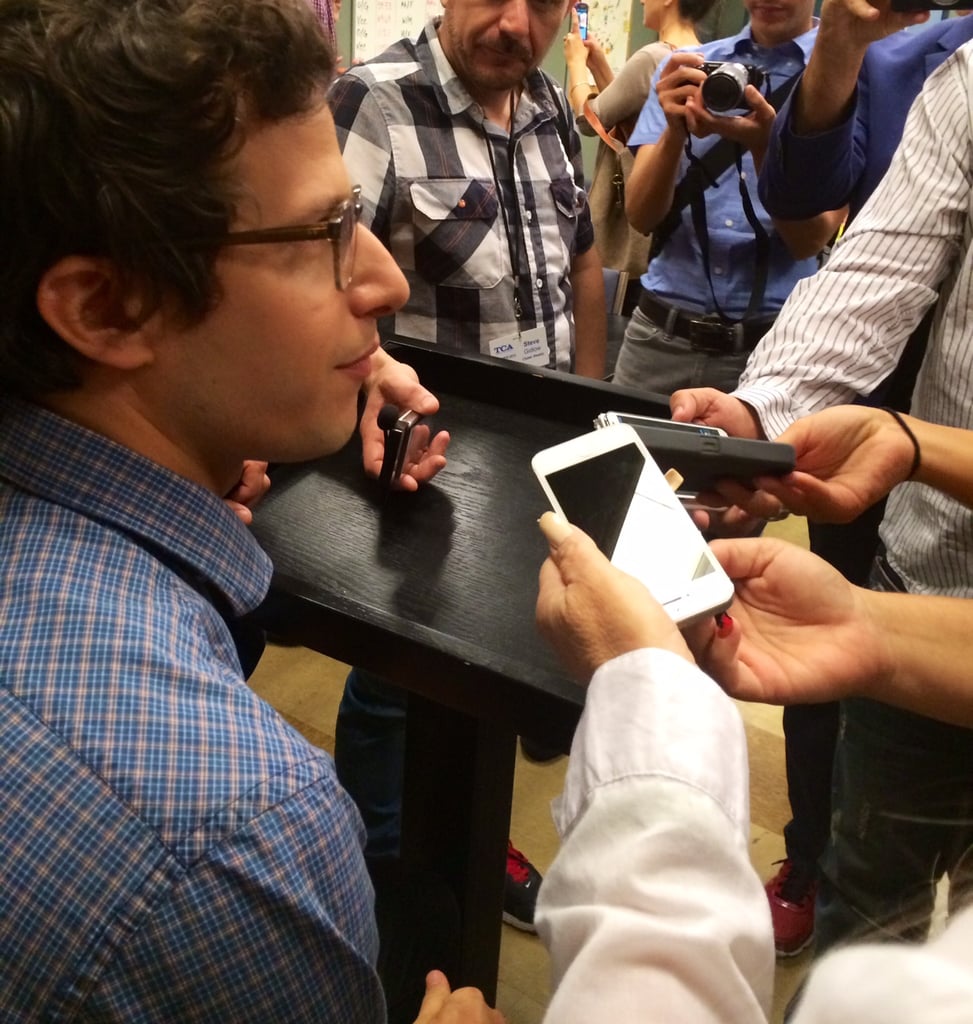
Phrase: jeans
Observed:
(652, 360)
(369, 755)
(902, 817)
(811, 730)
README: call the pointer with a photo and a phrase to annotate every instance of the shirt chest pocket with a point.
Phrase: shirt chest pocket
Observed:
(568, 201)
(457, 232)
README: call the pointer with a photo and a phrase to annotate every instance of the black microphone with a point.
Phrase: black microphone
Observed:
(388, 415)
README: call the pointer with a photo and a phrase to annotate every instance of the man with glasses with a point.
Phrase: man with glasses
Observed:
(472, 177)
(182, 288)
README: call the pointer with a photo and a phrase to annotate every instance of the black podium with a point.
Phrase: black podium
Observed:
(435, 592)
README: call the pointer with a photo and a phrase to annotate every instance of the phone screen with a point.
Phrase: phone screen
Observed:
(582, 11)
(595, 494)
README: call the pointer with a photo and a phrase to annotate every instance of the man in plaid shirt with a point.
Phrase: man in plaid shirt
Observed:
(471, 175)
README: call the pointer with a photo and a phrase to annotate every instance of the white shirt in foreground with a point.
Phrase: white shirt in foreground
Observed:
(652, 911)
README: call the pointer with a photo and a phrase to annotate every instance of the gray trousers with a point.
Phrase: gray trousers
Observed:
(652, 360)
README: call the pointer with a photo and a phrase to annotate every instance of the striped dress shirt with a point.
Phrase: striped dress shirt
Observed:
(842, 331)
(170, 849)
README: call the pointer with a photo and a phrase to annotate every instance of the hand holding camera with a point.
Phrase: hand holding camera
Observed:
(703, 98)
(723, 98)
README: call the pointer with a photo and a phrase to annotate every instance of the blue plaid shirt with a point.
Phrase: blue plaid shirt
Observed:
(170, 849)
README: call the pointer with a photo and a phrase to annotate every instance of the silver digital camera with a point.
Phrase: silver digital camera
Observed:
(722, 92)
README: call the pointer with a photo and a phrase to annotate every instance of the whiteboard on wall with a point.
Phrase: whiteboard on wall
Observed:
(379, 23)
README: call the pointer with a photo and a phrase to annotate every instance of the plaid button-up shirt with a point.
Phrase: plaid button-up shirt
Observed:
(461, 204)
(170, 849)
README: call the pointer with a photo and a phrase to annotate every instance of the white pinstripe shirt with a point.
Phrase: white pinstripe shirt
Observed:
(842, 331)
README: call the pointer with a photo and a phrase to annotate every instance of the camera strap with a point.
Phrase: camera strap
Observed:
(704, 172)
(762, 255)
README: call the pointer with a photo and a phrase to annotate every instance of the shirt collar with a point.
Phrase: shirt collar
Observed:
(743, 43)
(46, 455)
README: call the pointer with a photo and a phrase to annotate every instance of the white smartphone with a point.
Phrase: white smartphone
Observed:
(606, 419)
(606, 483)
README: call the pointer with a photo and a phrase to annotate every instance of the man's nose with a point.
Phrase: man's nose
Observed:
(515, 18)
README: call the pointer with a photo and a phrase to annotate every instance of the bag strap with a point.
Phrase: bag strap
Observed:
(595, 121)
(705, 171)
(762, 240)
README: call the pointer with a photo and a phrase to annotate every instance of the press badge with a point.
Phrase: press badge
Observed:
(524, 346)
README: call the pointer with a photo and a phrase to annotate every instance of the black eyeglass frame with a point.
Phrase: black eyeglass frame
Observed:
(331, 229)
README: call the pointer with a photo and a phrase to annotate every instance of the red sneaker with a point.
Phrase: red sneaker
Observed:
(520, 890)
(791, 893)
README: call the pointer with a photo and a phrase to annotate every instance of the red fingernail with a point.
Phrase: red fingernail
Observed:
(724, 625)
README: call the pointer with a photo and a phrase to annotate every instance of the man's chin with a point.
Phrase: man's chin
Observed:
(497, 77)
(312, 446)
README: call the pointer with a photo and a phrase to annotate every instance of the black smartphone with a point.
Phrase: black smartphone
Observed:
(702, 455)
(924, 5)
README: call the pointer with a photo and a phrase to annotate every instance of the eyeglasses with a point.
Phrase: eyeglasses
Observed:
(340, 230)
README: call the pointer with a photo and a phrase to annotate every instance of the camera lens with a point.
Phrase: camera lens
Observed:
(723, 89)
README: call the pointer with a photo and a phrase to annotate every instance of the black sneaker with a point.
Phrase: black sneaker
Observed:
(520, 890)
(538, 752)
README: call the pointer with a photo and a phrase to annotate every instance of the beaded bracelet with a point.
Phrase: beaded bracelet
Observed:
(916, 458)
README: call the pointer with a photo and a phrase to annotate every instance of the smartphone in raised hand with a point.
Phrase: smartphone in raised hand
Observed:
(581, 9)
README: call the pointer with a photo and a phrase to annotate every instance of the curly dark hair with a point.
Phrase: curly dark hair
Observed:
(118, 122)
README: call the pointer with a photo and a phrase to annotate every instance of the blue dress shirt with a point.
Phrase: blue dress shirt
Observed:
(170, 849)
(677, 273)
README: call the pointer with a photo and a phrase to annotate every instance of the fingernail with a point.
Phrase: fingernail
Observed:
(724, 625)
(554, 527)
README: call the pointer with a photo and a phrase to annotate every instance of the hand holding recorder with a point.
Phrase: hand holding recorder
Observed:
(397, 384)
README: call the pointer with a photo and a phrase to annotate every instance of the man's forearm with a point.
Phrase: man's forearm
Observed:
(826, 91)
(945, 460)
(652, 183)
(928, 646)
(590, 315)
(806, 238)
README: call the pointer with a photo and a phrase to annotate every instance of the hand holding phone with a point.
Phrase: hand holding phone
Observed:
(606, 483)
(703, 455)
(591, 612)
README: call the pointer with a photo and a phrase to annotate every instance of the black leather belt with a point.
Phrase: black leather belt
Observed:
(703, 331)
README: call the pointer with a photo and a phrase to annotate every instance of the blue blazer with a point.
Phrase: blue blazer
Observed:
(803, 176)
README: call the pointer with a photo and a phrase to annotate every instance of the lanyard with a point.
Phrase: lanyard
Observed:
(514, 241)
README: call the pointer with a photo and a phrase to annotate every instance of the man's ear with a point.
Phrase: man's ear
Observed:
(81, 299)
